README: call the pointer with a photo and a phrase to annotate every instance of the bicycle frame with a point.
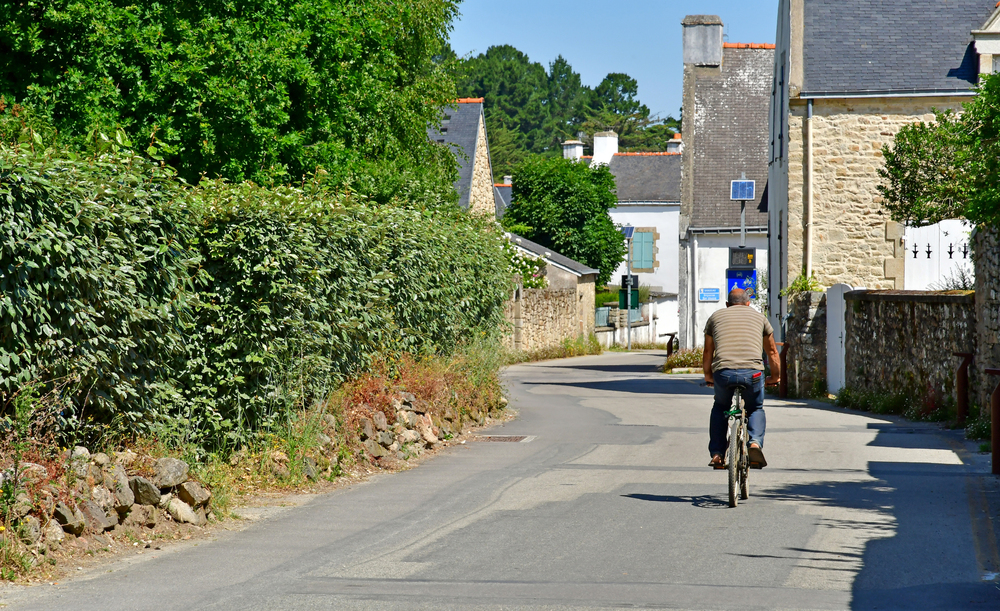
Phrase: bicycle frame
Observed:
(738, 455)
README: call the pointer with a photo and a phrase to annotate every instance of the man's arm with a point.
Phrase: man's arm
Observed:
(773, 360)
(706, 359)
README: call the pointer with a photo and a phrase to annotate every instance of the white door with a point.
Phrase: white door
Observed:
(836, 317)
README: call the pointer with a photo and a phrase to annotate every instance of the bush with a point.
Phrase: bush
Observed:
(684, 358)
(208, 313)
(95, 276)
(908, 403)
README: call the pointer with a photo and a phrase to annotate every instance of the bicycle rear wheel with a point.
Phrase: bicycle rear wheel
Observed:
(744, 462)
(734, 461)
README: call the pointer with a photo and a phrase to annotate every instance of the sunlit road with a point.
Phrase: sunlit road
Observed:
(608, 504)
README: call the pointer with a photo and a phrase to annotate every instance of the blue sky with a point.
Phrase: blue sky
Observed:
(641, 38)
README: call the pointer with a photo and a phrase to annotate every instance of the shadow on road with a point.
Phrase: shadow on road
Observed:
(608, 368)
(635, 386)
(703, 501)
(916, 546)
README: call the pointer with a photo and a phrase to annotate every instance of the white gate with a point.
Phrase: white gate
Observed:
(836, 318)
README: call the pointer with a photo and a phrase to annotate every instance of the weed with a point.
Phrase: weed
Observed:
(579, 346)
(978, 429)
(985, 447)
(684, 358)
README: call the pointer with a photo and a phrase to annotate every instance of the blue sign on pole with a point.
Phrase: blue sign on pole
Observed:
(709, 294)
(745, 279)
(742, 190)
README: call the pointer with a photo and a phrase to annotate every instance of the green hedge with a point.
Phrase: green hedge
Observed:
(213, 310)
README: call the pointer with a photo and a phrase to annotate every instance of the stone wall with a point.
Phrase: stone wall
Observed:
(481, 191)
(805, 337)
(986, 244)
(905, 341)
(543, 318)
(853, 239)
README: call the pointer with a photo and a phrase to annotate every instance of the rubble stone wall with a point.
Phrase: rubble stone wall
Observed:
(543, 318)
(986, 243)
(906, 340)
(805, 337)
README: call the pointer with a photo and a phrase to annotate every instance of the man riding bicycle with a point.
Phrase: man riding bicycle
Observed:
(735, 338)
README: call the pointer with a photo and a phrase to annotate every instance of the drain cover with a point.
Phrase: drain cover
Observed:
(508, 438)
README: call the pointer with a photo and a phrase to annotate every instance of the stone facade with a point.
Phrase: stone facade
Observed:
(481, 195)
(905, 341)
(806, 345)
(853, 239)
(986, 242)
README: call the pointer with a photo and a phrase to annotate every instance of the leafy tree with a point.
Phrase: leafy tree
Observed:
(262, 89)
(949, 168)
(564, 205)
(531, 109)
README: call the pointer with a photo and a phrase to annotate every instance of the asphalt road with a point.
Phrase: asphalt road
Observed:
(609, 504)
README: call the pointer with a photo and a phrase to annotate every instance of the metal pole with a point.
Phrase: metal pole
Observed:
(743, 223)
(628, 294)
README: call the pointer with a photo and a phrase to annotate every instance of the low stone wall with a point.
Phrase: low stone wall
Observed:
(805, 337)
(986, 244)
(905, 341)
(543, 318)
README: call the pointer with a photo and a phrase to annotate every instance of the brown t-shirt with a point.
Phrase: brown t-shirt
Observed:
(738, 332)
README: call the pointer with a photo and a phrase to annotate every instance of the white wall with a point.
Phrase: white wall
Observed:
(921, 272)
(712, 261)
(665, 219)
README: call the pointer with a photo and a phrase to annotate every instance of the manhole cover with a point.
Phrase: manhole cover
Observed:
(508, 438)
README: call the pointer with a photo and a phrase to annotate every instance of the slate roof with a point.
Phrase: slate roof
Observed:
(501, 198)
(647, 177)
(873, 46)
(459, 129)
(731, 137)
(547, 253)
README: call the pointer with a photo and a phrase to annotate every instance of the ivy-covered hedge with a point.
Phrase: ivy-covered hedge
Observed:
(214, 309)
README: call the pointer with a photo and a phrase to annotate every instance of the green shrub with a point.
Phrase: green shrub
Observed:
(95, 277)
(978, 429)
(208, 313)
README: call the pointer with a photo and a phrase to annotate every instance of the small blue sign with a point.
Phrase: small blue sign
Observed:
(709, 295)
(745, 279)
(742, 190)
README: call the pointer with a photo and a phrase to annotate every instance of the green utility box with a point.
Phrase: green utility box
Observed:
(621, 299)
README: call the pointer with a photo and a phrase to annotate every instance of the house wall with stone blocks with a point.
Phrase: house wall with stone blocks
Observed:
(853, 239)
(481, 194)
(544, 318)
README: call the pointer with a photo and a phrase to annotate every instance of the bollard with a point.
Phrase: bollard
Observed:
(962, 387)
(995, 422)
(783, 383)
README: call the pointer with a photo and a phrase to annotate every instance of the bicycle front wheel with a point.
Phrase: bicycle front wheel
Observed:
(734, 461)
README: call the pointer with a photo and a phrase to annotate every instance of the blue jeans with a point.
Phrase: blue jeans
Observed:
(725, 383)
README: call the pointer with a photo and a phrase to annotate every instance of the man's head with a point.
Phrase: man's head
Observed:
(737, 296)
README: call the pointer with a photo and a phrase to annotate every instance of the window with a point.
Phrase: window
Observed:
(642, 250)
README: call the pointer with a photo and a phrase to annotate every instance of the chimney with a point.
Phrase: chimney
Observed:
(702, 40)
(508, 180)
(676, 145)
(572, 149)
(605, 147)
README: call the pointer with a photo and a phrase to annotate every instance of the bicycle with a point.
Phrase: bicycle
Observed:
(738, 456)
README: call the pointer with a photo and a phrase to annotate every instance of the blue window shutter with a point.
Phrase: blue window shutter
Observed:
(642, 250)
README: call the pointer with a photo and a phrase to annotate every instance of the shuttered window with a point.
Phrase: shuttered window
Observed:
(642, 250)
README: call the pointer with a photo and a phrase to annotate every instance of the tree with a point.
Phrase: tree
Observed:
(563, 205)
(949, 168)
(260, 89)
(535, 109)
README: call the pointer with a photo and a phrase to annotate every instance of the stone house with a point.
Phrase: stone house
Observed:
(727, 89)
(463, 129)
(543, 318)
(847, 75)
(648, 191)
